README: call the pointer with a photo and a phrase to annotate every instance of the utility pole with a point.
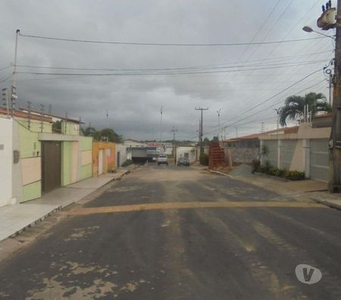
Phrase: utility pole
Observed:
(80, 126)
(218, 112)
(107, 117)
(329, 72)
(161, 125)
(201, 129)
(334, 184)
(5, 100)
(42, 106)
(14, 81)
(29, 107)
(174, 148)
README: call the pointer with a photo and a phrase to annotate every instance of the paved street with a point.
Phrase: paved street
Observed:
(180, 233)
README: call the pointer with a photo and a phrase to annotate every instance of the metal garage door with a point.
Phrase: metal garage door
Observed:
(51, 166)
(319, 160)
(272, 155)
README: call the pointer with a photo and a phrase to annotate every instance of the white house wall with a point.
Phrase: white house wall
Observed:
(6, 150)
(306, 150)
(181, 151)
(298, 159)
(122, 150)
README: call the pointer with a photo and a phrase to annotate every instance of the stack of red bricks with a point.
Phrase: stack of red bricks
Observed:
(216, 156)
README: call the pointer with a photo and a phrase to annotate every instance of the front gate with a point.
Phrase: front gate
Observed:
(51, 166)
(319, 160)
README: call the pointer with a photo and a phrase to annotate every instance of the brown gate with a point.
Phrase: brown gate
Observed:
(51, 166)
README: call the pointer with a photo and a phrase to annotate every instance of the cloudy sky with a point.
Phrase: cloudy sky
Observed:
(239, 58)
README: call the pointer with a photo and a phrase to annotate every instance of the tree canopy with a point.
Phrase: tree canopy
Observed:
(106, 134)
(293, 108)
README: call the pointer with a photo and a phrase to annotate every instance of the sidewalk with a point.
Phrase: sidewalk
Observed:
(15, 218)
(300, 190)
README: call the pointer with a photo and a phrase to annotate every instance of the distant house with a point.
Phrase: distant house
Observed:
(121, 155)
(189, 152)
(242, 150)
(140, 152)
(300, 148)
(103, 158)
(133, 143)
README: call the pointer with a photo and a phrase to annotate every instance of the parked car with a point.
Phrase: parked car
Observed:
(183, 161)
(162, 159)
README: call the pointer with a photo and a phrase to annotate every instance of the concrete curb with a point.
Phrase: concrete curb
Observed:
(94, 191)
(326, 203)
(36, 222)
(311, 198)
(221, 173)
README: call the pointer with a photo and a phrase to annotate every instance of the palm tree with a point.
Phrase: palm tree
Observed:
(294, 107)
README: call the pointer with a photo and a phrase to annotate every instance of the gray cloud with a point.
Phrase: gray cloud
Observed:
(237, 80)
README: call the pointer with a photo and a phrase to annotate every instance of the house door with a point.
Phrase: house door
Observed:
(51, 166)
(100, 162)
(118, 159)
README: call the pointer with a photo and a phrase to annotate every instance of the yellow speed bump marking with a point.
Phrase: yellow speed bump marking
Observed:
(192, 205)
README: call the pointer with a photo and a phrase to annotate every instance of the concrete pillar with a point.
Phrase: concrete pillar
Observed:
(306, 157)
(279, 146)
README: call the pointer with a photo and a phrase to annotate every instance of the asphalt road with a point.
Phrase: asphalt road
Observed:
(182, 233)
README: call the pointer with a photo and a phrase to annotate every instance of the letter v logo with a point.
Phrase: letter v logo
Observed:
(308, 274)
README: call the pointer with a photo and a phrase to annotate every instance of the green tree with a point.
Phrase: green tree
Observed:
(57, 127)
(293, 108)
(102, 135)
(206, 141)
(110, 135)
(215, 139)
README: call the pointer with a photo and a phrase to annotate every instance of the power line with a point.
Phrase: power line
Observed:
(167, 44)
(5, 68)
(164, 72)
(275, 104)
(266, 58)
(6, 78)
(268, 99)
(269, 65)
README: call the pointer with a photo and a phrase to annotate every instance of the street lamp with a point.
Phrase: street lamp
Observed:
(309, 29)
